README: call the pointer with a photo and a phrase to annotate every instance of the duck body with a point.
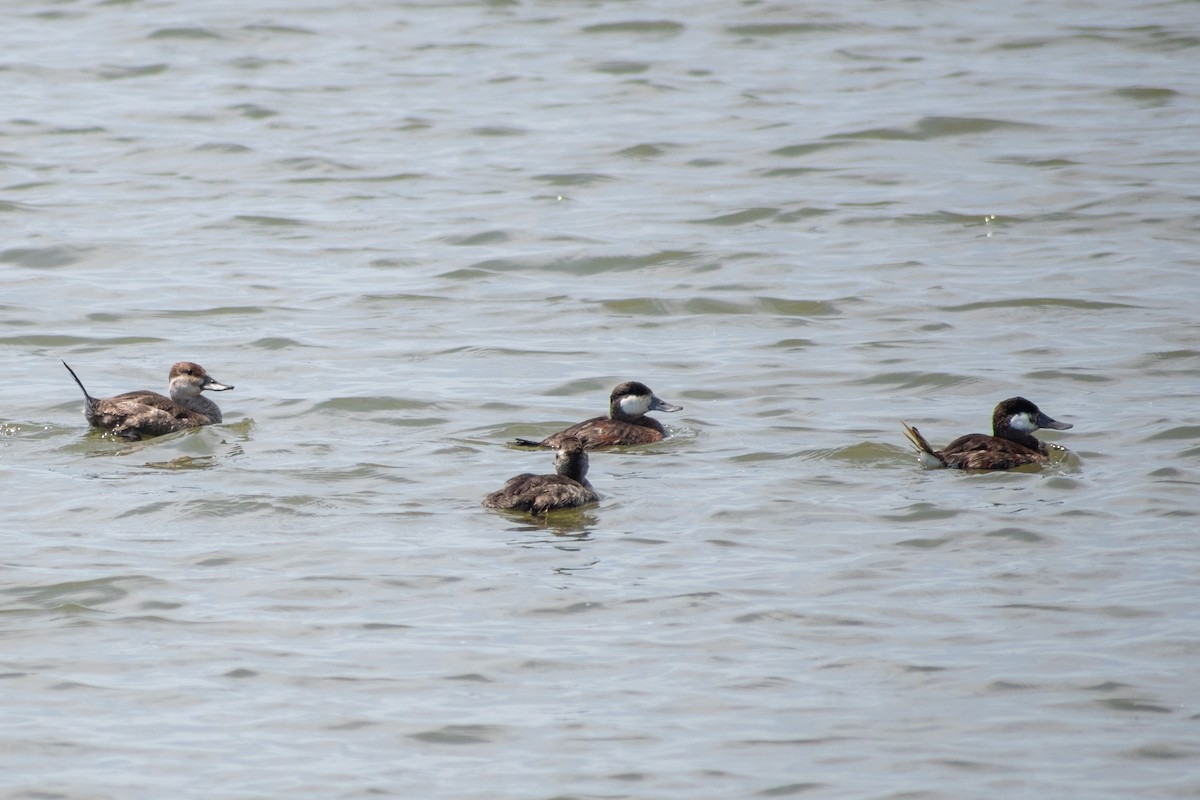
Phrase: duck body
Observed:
(1011, 444)
(625, 424)
(540, 494)
(142, 413)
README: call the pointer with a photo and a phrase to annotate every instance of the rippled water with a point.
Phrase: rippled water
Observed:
(410, 232)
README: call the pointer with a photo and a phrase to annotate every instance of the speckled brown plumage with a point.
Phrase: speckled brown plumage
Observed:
(539, 494)
(625, 424)
(1011, 444)
(142, 413)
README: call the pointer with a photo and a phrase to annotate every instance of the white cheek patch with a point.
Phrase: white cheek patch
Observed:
(185, 387)
(1022, 422)
(634, 405)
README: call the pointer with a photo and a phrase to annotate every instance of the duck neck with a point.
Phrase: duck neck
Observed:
(1020, 437)
(575, 467)
(201, 405)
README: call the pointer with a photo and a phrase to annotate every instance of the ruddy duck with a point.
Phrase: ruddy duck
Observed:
(626, 422)
(539, 494)
(1010, 445)
(134, 415)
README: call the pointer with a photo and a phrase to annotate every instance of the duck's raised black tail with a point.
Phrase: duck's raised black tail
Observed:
(91, 401)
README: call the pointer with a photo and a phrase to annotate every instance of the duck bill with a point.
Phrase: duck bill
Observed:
(210, 385)
(658, 405)
(1045, 422)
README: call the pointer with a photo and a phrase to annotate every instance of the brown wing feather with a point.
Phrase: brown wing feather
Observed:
(142, 413)
(975, 451)
(504, 498)
(981, 451)
(538, 494)
(561, 495)
(146, 399)
(995, 459)
(605, 432)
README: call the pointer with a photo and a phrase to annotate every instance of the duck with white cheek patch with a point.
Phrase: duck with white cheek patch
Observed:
(141, 414)
(625, 424)
(1011, 444)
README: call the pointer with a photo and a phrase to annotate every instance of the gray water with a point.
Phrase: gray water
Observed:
(410, 232)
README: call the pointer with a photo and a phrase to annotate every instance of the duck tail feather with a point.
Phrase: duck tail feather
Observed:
(922, 446)
(79, 383)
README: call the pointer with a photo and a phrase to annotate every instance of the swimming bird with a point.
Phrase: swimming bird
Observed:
(626, 422)
(1011, 444)
(143, 413)
(539, 494)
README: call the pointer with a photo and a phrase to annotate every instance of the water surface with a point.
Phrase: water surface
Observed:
(411, 232)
